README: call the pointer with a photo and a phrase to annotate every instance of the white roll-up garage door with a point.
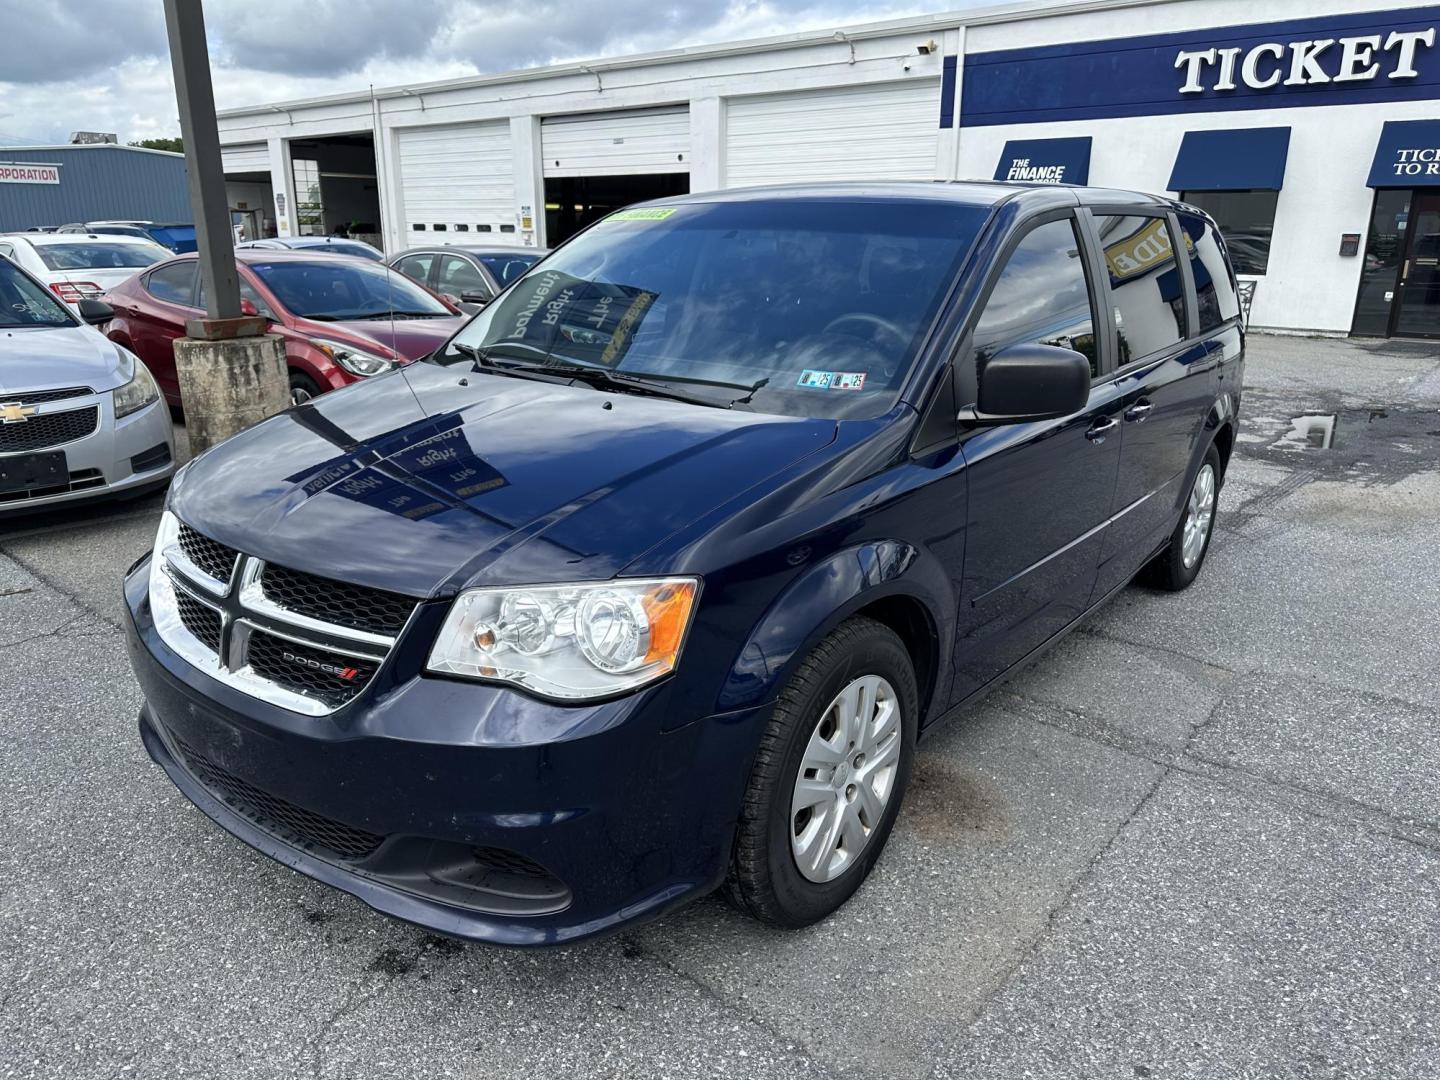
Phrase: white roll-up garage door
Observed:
(617, 143)
(841, 133)
(459, 178)
(245, 158)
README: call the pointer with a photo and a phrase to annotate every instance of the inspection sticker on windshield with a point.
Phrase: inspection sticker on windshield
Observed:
(658, 213)
(832, 380)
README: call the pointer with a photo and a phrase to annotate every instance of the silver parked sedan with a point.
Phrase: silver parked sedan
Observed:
(80, 416)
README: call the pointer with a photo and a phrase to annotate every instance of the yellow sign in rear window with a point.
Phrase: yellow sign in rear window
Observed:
(640, 213)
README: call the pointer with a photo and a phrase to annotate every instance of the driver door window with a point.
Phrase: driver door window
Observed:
(458, 276)
(1041, 298)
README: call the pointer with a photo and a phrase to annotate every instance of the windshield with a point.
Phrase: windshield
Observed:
(24, 303)
(178, 238)
(506, 268)
(826, 301)
(337, 289)
(81, 255)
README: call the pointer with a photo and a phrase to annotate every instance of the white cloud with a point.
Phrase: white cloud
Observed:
(77, 65)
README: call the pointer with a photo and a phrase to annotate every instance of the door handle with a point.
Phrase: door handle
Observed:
(1100, 429)
(1139, 411)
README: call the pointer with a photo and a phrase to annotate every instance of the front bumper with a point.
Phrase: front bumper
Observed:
(626, 818)
(121, 457)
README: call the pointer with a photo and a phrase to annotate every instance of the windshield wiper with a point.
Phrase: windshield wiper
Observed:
(398, 314)
(598, 377)
(656, 378)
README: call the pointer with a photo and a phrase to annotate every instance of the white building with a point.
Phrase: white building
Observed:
(1310, 128)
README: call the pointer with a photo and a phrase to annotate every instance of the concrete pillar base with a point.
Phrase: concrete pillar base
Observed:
(228, 386)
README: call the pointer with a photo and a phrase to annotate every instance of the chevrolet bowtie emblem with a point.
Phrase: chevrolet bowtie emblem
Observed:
(15, 413)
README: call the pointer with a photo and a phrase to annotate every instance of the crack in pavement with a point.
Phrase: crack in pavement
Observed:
(60, 631)
(50, 583)
(1301, 797)
(741, 1008)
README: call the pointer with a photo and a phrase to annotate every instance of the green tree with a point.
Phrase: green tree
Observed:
(174, 145)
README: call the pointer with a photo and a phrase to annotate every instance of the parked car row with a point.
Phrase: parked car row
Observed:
(74, 413)
(342, 318)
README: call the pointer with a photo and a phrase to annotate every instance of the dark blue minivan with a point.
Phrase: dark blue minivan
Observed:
(650, 579)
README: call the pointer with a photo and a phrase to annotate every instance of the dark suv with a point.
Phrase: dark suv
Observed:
(650, 579)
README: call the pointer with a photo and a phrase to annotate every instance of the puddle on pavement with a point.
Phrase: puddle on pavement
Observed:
(1310, 431)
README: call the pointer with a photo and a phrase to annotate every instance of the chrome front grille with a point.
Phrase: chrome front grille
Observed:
(311, 650)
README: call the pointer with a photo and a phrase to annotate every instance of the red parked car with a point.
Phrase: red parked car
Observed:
(343, 319)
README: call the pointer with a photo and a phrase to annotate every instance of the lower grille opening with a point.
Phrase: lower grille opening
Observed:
(284, 820)
(80, 480)
(331, 677)
(154, 458)
(494, 879)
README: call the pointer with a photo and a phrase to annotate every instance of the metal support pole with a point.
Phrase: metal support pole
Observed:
(190, 58)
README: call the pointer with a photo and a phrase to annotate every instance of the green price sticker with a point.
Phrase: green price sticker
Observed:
(659, 213)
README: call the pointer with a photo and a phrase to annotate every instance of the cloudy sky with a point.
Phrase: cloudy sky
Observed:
(102, 65)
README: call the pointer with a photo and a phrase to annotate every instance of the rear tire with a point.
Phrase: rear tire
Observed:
(1179, 564)
(828, 778)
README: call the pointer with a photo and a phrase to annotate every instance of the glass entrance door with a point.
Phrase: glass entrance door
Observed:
(1417, 302)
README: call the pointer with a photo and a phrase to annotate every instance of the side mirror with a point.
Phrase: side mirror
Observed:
(95, 312)
(478, 299)
(1031, 382)
(247, 307)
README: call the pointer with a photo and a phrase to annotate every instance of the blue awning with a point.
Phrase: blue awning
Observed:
(1046, 161)
(1233, 159)
(1408, 155)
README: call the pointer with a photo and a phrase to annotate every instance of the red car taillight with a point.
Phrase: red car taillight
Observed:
(71, 291)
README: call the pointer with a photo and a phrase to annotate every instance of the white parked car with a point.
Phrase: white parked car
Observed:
(80, 266)
(80, 416)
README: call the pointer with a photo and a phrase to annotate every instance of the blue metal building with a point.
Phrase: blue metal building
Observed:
(56, 185)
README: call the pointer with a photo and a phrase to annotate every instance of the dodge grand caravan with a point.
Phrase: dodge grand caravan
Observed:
(648, 581)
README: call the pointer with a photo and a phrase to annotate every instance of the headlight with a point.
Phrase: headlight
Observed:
(568, 641)
(137, 393)
(354, 360)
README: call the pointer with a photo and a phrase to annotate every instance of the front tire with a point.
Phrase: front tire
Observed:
(302, 388)
(1179, 564)
(828, 778)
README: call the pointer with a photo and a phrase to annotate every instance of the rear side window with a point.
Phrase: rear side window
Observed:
(1147, 294)
(175, 284)
(1041, 297)
(1214, 283)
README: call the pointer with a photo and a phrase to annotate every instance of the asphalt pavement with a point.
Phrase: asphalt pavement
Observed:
(1201, 838)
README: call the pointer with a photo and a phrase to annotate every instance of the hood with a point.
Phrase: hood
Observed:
(44, 357)
(409, 339)
(429, 479)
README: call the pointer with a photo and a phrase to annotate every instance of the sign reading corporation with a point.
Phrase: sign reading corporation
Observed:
(1344, 59)
(21, 172)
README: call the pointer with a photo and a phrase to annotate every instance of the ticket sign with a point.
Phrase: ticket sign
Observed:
(554, 314)
(21, 172)
(1144, 250)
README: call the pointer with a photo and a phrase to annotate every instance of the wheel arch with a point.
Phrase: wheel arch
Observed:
(890, 581)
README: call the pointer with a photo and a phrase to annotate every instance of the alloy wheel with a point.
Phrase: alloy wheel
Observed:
(1199, 514)
(846, 778)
